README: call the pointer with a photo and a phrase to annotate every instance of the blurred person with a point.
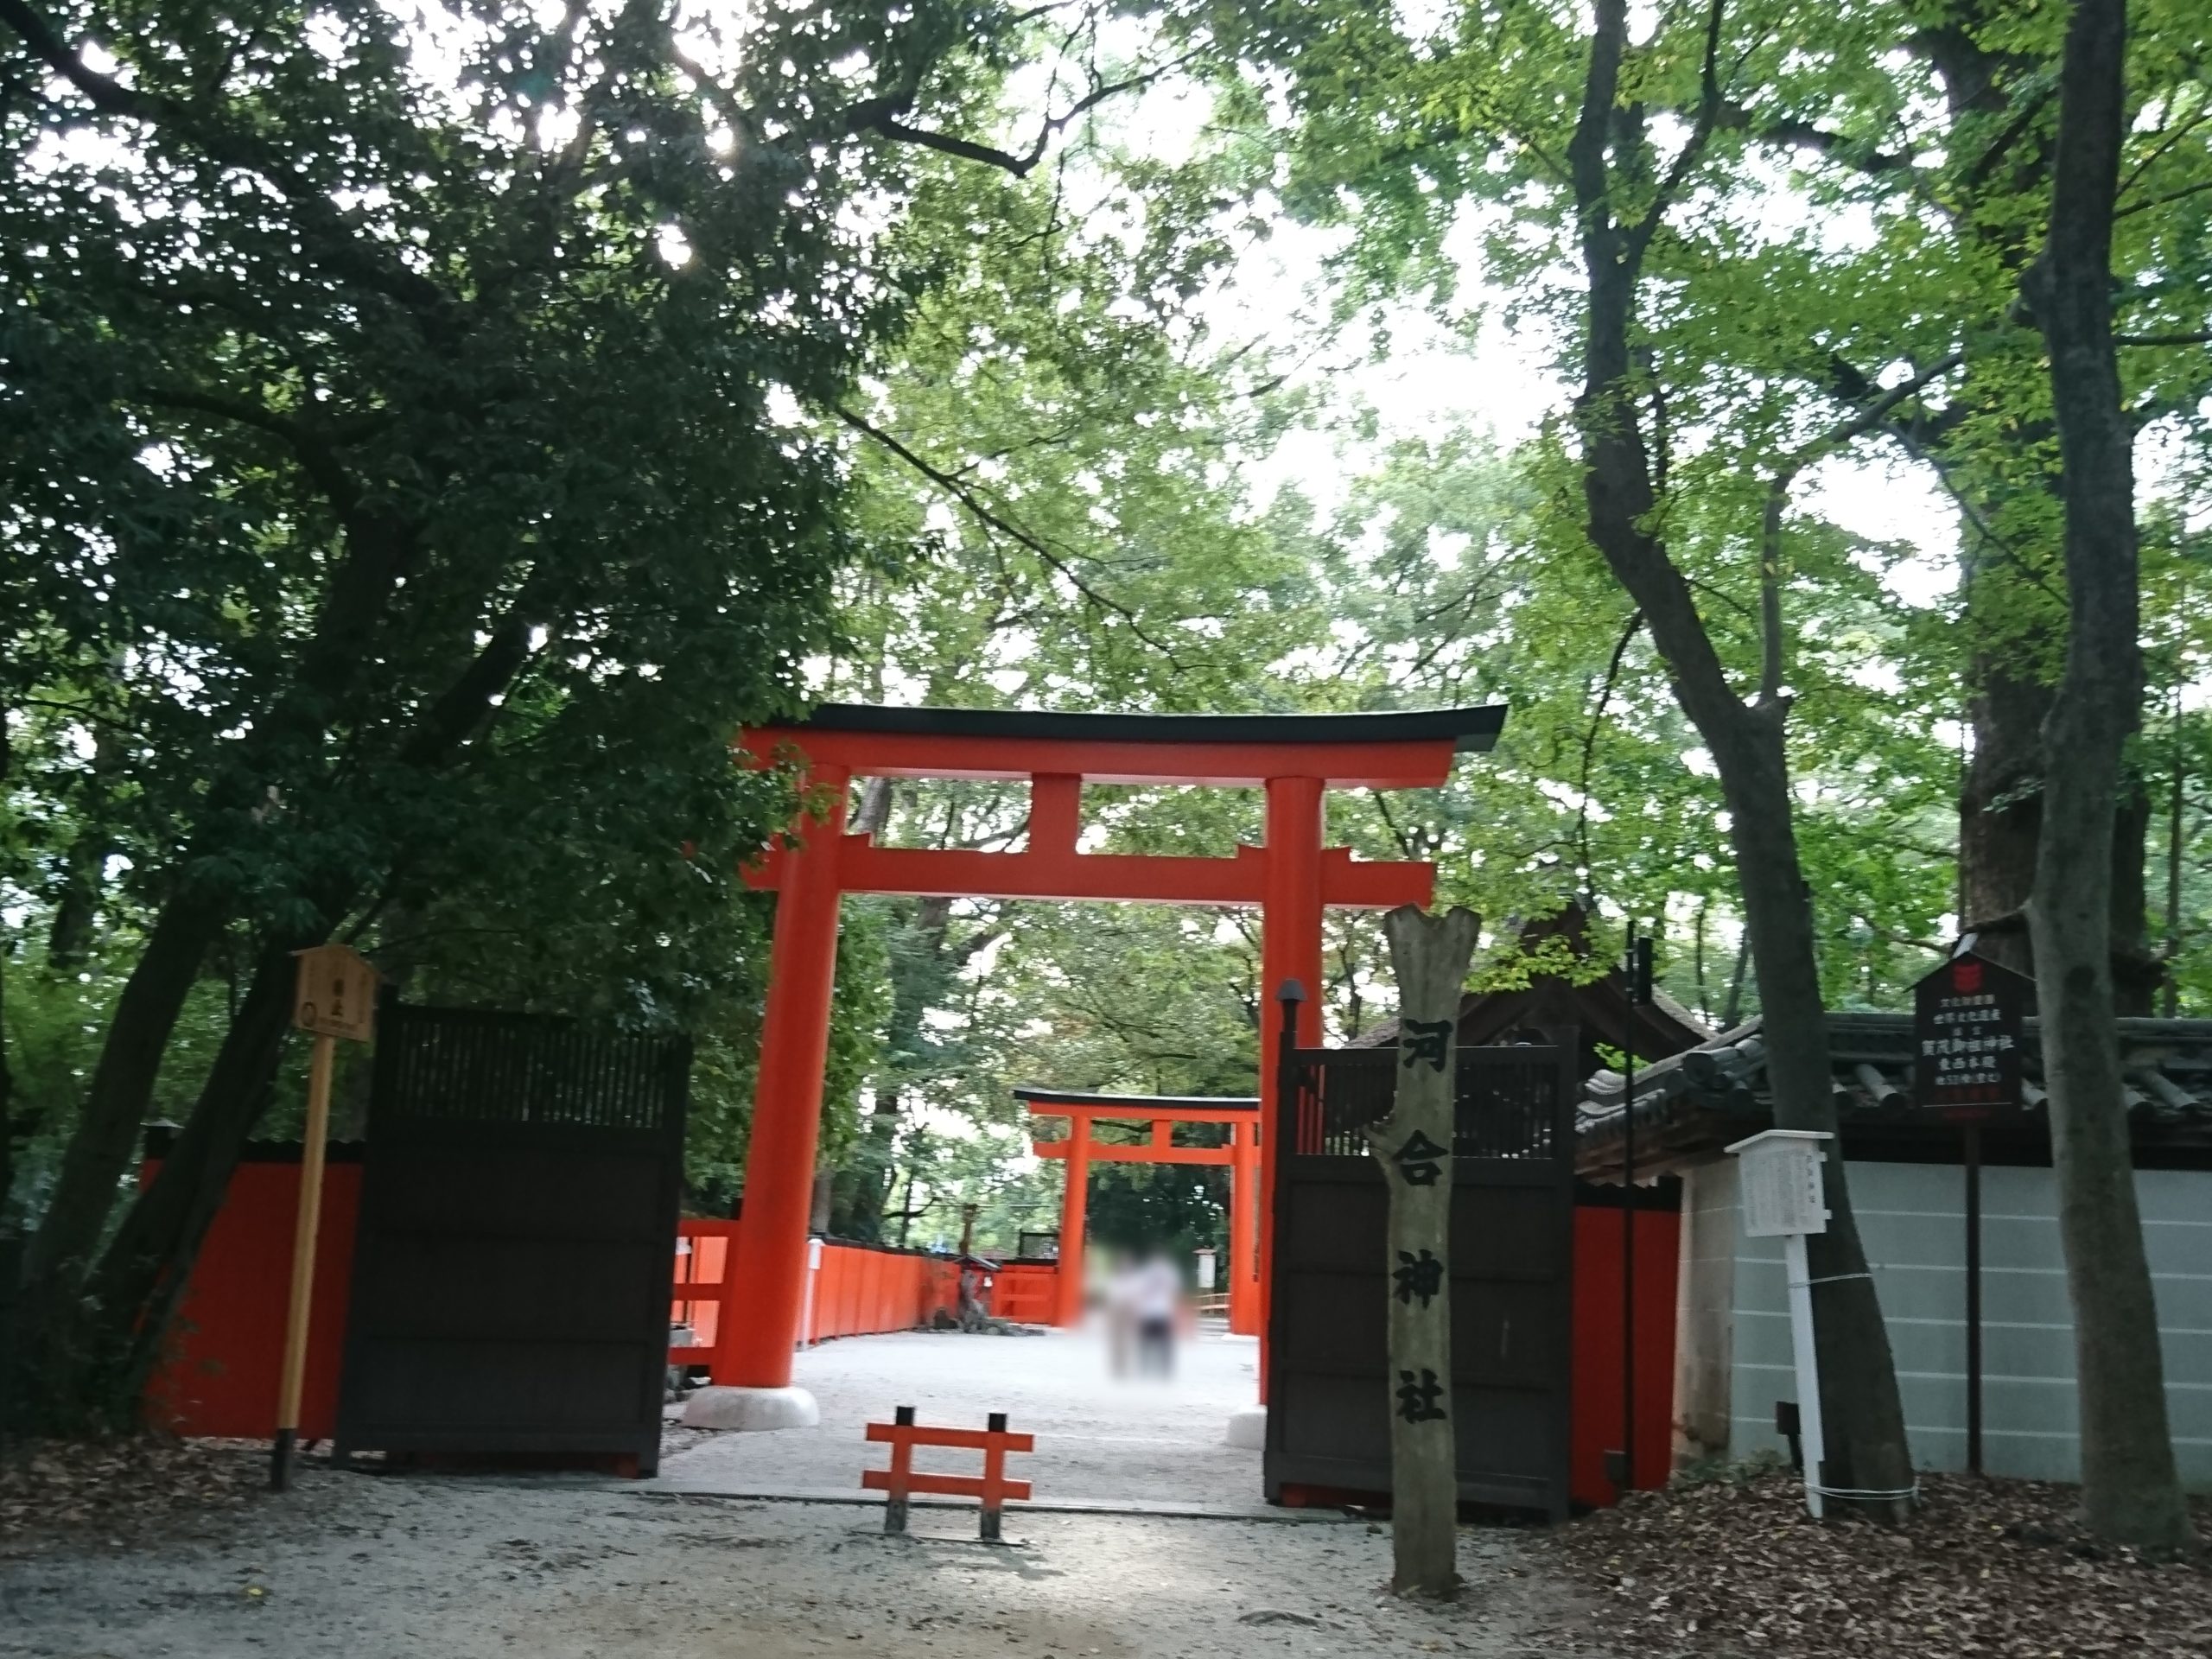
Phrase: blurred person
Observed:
(1121, 1312)
(1155, 1297)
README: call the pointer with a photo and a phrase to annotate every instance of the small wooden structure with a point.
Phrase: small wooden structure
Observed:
(900, 1481)
(1159, 1114)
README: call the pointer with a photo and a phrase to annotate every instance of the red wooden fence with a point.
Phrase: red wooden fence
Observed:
(1026, 1291)
(853, 1290)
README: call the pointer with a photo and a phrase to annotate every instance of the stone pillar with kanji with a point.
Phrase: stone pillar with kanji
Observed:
(1429, 955)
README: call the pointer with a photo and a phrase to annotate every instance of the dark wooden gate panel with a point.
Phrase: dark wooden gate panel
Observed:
(1329, 1394)
(516, 1233)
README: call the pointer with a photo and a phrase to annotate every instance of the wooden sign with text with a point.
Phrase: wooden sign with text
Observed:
(1966, 1022)
(335, 995)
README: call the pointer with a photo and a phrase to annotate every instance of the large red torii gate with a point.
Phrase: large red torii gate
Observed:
(1296, 759)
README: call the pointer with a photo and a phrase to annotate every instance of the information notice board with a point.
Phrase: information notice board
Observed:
(1967, 1018)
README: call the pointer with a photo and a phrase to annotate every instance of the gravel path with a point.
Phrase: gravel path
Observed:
(366, 1566)
(1097, 1437)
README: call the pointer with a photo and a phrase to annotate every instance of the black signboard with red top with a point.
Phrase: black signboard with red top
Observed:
(1966, 1028)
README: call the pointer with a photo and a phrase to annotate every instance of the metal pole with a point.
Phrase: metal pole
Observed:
(1809, 1371)
(1639, 994)
(1628, 1236)
(1973, 1297)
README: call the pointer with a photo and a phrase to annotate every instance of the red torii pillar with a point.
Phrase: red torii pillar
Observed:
(764, 1293)
(1290, 948)
(1295, 758)
(1243, 1275)
(1075, 1205)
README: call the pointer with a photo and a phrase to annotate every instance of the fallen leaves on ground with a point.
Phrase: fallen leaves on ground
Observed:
(116, 1491)
(1999, 1568)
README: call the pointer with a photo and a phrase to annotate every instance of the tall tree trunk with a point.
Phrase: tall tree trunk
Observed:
(7, 1132)
(99, 1150)
(2000, 826)
(1868, 1451)
(1413, 1147)
(922, 961)
(1863, 1419)
(76, 909)
(132, 1295)
(862, 1190)
(7, 1116)
(1993, 94)
(2129, 1490)
(2177, 817)
(2000, 807)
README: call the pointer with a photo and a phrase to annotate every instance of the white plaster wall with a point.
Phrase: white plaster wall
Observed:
(1911, 1216)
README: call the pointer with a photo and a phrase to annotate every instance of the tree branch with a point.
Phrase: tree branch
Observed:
(2167, 199)
(1791, 133)
(1771, 649)
(317, 455)
(880, 115)
(1709, 106)
(2023, 118)
(984, 514)
(1407, 846)
(2166, 142)
(1590, 737)
(1876, 413)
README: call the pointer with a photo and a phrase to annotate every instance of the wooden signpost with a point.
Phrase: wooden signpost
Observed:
(1429, 956)
(1967, 1023)
(335, 996)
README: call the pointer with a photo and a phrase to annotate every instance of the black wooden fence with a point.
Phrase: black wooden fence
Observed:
(1511, 1251)
(11, 1275)
(512, 1266)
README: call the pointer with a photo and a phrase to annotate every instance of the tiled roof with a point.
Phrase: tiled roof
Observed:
(1693, 1102)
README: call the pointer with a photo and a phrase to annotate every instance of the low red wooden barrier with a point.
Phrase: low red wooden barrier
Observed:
(900, 1482)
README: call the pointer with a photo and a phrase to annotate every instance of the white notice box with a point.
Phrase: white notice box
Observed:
(1782, 1183)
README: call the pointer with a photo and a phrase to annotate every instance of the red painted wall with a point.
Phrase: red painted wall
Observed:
(221, 1371)
(1596, 1395)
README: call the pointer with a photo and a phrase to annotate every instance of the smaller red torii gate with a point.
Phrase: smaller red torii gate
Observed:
(1085, 1110)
